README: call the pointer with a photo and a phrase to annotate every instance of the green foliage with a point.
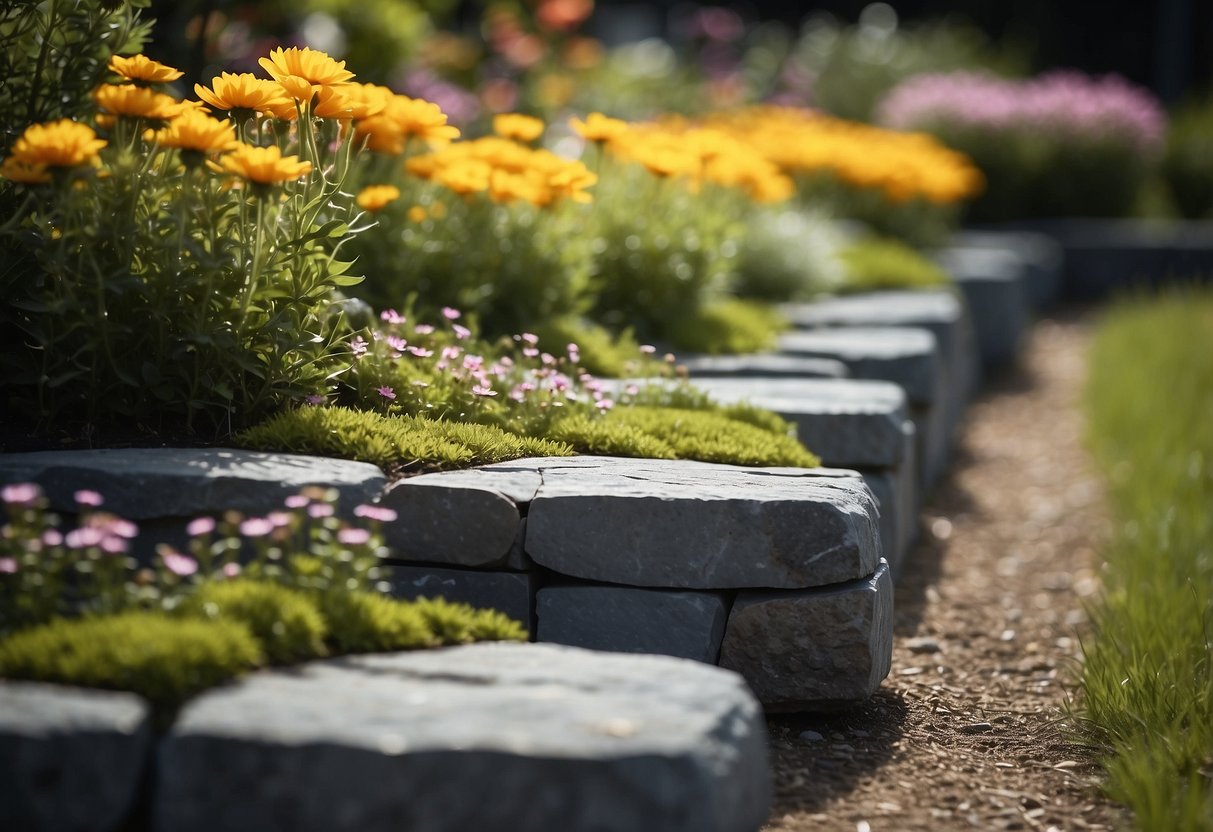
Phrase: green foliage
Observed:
(286, 622)
(1188, 165)
(1148, 674)
(162, 658)
(727, 327)
(392, 440)
(787, 254)
(603, 353)
(917, 221)
(453, 623)
(714, 437)
(878, 263)
(599, 437)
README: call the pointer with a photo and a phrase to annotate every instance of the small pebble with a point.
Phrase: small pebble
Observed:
(923, 644)
(977, 728)
(811, 736)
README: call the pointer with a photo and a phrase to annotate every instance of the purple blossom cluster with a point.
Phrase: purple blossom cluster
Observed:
(1064, 104)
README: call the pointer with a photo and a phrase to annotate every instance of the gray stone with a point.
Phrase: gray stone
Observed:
(486, 737)
(70, 758)
(147, 483)
(995, 290)
(763, 366)
(813, 650)
(463, 518)
(908, 356)
(693, 525)
(512, 593)
(689, 625)
(883, 485)
(1042, 258)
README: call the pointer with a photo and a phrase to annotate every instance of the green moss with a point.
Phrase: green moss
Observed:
(714, 437)
(366, 622)
(603, 353)
(491, 444)
(728, 327)
(162, 658)
(285, 621)
(600, 437)
(882, 263)
(453, 623)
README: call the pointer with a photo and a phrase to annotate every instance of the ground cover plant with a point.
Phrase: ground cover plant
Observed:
(77, 608)
(1148, 675)
(1188, 164)
(875, 263)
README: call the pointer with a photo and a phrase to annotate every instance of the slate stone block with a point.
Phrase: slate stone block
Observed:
(994, 287)
(70, 758)
(688, 625)
(884, 488)
(817, 649)
(908, 356)
(489, 737)
(762, 366)
(512, 593)
(1042, 258)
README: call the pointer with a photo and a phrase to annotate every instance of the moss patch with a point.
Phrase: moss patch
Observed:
(882, 263)
(728, 327)
(285, 621)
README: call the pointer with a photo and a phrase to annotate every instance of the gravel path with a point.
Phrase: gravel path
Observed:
(966, 733)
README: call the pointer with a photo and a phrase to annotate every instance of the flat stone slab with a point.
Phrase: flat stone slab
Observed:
(512, 593)
(69, 758)
(1042, 258)
(762, 365)
(486, 737)
(995, 289)
(689, 625)
(813, 649)
(908, 356)
(692, 525)
(151, 483)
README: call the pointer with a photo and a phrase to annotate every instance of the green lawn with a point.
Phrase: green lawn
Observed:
(1148, 674)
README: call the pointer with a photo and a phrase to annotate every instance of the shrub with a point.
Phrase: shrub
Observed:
(286, 622)
(881, 263)
(1188, 164)
(162, 658)
(603, 353)
(728, 327)
(453, 623)
(787, 254)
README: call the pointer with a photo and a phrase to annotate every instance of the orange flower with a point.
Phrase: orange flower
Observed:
(316, 67)
(417, 214)
(517, 126)
(367, 100)
(195, 131)
(264, 165)
(57, 144)
(143, 70)
(15, 170)
(241, 92)
(375, 198)
(598, 128)
(333, 102)
(136, 102)
(404, 117)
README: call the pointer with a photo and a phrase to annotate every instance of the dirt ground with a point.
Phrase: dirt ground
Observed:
(967, 731)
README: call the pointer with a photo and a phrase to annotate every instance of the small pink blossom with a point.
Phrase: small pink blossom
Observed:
(113, 545)
(359, 345)
(391, 316)
(530, 352)
(574, 353)
(85, 497)
(280, 518)
(529, 338)
(423, 329)
(648, 349)
(20, 494)
(256, 527)
(84, 537)
(180, 565)
(396, 342)
(548, 359)
(353, 537)
(52, 537)
(385, 515)
(631, 390)
(461, 332)
(318, 510)
(386, 392)
(473, 363)
(314, 399)
(506, 361)
(200, 526)
(561, 382)
(483, 391)
(604, 404)
(421, 352)
(8, 566)
(121, 528)
(231, 570)
(296, 501)
(450, 313)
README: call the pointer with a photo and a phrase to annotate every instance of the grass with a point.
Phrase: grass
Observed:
(1148, 674)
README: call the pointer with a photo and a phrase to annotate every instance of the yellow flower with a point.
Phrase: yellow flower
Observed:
(143, 70)
(402, 118)
(15, 170)
(367, 100)
(333, 102)
(374, 198)
(297, 88)
(316, 67)
(517, 126)
(57, 144)
(194, 130)
(242, 92)
(438, 210)
(417, 214)
(263, 165)
(136, 102)
(598, 128)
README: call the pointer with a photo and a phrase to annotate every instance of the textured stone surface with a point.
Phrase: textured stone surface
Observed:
(689, 625)
(763, 366)
(883, 485)
(465, 518)
(70, 759)
(512, 593)
(995, 290)
(908, 356)
(692, 525)
(145, 483)
(814, 649)
(486, 737)
(1042, 258)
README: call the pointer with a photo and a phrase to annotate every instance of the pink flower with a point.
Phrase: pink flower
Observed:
(461, 332)
(506, 361)
(231, 570)
(358, 345)
(648, 349)
(380, 513)
(256, 527)
(529, 338)
(391, 316)
(421, 352)
(396, 343)
(121, 528)
(296, 501)
(8, 566)
(84, 537)
(423, 329)
(86, 497)
(483, 391)
(631, 390)
(280, 518)
(450, 313)
(113, 545)
(548, 359)
(530, 352)
(451, 353)
(200, 526)
(52, 537)
(386, 392)
(180, 565)
(353, 537)
(604, 404)
(20, 494)
(318, 510)
(574, 353)
(473, 363)
(314, 399)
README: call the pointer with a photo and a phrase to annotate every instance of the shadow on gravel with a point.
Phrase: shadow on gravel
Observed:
(832, 752)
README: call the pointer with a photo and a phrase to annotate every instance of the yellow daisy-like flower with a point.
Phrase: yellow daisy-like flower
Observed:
(375, 198)
(136, 102)
(263, 165)
(195, 131)
(333, 102)
(15, 170)
(245, 91)
(517, 126)
(143, 70)
(57, 144)
(297, 88)
(598, 128)
(367, 100)
(316, 67)
(417, 214)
